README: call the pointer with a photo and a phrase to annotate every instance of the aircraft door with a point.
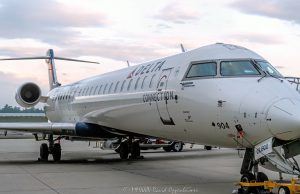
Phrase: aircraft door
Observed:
(163, 95)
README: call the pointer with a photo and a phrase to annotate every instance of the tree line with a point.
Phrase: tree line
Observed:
(10, 109)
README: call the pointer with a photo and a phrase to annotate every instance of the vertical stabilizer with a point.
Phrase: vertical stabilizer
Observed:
(53, 82)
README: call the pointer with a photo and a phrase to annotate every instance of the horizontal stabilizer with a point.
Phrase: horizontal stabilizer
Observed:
(46, 57)
(53, 81)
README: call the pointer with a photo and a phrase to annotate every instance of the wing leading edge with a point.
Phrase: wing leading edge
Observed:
(47, 128)
(80, 129)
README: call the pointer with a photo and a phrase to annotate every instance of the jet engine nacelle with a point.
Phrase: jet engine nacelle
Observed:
(28, 95)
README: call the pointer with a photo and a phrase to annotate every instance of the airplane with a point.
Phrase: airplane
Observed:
(220, 95)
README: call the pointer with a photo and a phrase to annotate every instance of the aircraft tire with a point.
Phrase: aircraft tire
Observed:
(44, 152)
(135, 150)
(117, 150)
(284, 190)
(56, 152)
(124, 150)
(167, 148)
(261, 177)
(177, 146)
(246, 178)
(207, 147)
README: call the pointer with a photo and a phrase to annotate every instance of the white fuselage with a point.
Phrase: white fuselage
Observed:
(157, 99)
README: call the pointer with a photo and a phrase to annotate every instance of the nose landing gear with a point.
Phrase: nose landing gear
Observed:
(250, 174)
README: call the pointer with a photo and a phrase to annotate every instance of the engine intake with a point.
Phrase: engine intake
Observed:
(28, 95)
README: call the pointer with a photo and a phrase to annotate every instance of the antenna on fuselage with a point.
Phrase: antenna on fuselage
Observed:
(53, 81)
(182, 48)
(128, 63)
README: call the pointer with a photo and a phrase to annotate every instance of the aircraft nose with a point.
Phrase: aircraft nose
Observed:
(283, 119)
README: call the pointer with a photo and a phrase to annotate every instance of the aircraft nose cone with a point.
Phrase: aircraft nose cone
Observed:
(283, 119)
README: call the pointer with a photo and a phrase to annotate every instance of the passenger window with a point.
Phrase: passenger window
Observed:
(129, 85)
(95, 90)
(202, 70)
(100, 89)
(90, 93)
(104, 88)
(238, 68)
(122, 86)
(86, 92)
(110, 87)
(137, 83)
(79, 92)
(152, 80)
(143, 83)
(116, 87)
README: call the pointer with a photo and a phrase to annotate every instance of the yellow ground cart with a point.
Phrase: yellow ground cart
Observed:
(267, 187)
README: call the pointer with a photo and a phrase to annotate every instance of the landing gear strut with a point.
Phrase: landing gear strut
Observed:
(249, 172)
(53, 148)
(129, 147)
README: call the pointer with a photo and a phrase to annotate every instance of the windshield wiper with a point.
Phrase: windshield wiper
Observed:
(265, 75)
(268, 73)
(265, 72)
(275, 77)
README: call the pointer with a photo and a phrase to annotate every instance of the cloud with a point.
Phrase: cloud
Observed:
(46, 20)
(177, 13)
(9, 84)
(136, 50)
(24, 47)
(255, 38)
(115, 50)
(285, 10)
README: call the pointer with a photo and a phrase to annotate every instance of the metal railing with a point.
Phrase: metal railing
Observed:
(294, 81)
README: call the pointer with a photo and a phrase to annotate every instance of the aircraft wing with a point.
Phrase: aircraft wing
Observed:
(80, 129)
(48, 128)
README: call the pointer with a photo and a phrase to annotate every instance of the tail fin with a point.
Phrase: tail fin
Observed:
(53, 81)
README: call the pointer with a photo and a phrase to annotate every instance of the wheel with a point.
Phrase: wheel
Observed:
(56, 152)
(135, 149)
(177, 146)
(261, 177)
(207, 147)
(44, 151)
(117, 150)
(167, 148)
(284, 190)
(123, 150)
(247, 178)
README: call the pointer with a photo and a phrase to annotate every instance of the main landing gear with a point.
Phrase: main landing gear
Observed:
(53, 148)
(129, 147)
(174, 146)
(249, 172)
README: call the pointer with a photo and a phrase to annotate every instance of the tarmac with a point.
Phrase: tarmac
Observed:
(88, 170)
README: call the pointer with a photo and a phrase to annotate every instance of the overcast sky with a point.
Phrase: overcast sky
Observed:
(114, 31)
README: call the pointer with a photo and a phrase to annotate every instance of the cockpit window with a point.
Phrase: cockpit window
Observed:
(267, 67)
(238, 68)
(202, 70)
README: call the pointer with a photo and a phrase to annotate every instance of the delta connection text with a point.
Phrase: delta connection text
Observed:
(159, 96)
